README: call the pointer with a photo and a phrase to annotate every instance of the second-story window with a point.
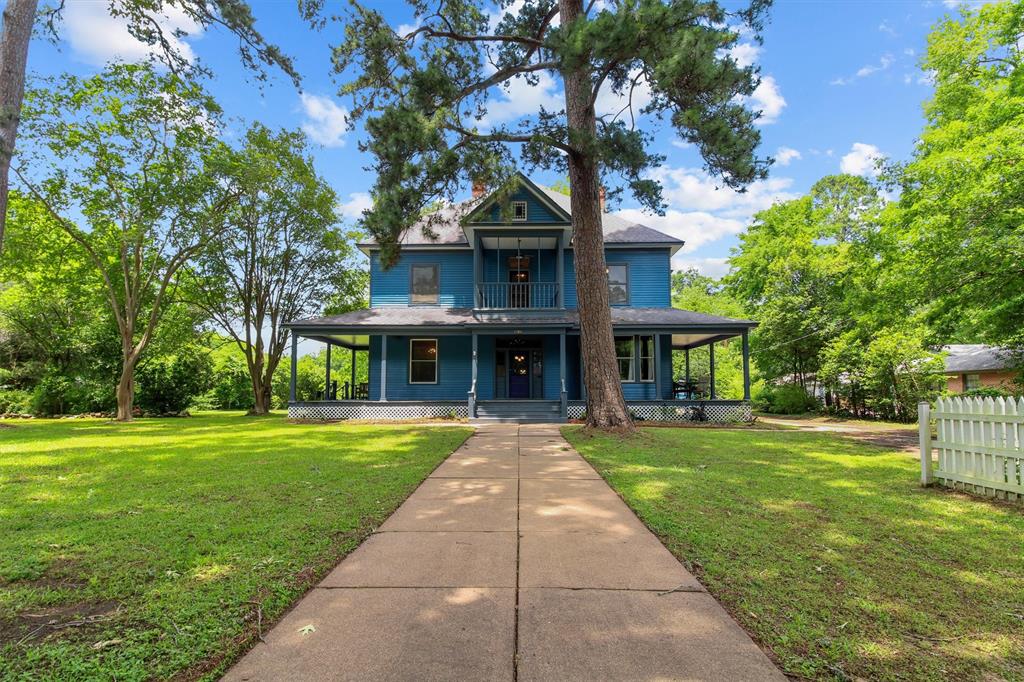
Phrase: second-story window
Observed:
(618, 284)
(424, 284)
(519, 211)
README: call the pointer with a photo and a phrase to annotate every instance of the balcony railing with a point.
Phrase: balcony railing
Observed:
(512, 295)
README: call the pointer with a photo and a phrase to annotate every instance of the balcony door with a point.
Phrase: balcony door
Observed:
(519, 289)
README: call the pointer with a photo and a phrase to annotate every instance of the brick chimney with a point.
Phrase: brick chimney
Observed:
(479, 189)
(602, 194)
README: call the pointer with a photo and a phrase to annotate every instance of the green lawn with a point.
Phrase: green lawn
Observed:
(829, 552)
(153, 549)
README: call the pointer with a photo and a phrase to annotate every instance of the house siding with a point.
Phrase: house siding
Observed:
(453, 371)
(536, 211)
(650, 272)
(455, 270)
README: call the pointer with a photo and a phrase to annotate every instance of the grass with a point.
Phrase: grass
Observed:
(159, 548)
(875, 424)
(829, 553)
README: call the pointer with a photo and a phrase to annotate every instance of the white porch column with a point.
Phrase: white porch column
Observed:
(711, 350)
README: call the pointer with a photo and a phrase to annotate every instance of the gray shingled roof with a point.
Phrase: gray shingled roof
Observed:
(617, 230)
(976, 357)
(455, 317)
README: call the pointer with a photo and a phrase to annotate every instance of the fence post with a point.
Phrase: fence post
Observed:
(924, 430)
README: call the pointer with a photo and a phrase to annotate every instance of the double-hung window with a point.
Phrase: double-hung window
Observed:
(424, 284)
(624, 356)
(645, 350)
(635, 354)
(972, 382)
(422, 361)
(618, 284)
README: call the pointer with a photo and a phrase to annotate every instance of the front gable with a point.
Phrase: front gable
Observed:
(498, 208)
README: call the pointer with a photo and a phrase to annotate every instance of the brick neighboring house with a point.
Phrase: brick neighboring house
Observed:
(971, 366)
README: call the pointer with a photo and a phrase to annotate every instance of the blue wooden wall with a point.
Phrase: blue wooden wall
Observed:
(391, 287)
(536, 212)
(650, 272)
(455, 370)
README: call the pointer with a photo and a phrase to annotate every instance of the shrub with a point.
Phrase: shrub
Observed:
(786, 399)
(987, 392)
(61, 394)
(170, 383)
(14, 400)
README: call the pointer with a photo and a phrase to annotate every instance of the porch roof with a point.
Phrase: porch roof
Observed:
(687, 328)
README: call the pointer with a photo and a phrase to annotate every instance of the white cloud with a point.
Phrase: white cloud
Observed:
(356, 204)
(768, 99)
(716, 268)
(681, 144)
(887, 28)
(884, 63)
(610, 103)
(696, 228)
(326, 122)
(694, 190)
(96, 37)
(786, 155)
(861, 160)
(745, 54)
(405, 29)
(519, 99)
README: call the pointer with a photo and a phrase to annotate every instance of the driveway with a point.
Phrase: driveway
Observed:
(512, 561)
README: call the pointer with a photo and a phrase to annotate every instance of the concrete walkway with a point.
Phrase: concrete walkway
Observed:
(512, 561)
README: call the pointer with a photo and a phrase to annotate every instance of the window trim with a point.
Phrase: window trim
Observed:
(525, 211)
(632, 359)
(437, 361)
(608, 267)
(412, 281)
(972, 374)
(640, 358)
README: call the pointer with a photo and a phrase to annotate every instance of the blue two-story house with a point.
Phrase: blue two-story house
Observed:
(481, 322)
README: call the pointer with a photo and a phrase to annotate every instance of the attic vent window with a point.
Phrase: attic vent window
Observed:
(519, 211)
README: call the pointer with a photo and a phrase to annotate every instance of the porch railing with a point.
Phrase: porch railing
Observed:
(506, 295)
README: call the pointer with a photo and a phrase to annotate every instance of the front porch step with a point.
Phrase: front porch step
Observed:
(517, 412)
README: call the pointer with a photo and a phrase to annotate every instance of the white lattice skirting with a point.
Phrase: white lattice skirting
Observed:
(377, 411)
(679, 411)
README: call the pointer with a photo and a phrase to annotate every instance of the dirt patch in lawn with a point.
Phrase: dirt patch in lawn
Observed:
(41, 623)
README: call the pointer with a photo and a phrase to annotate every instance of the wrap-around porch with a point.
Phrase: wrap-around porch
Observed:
(528, 372)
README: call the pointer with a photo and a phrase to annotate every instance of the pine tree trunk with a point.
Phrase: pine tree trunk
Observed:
(606, 407)
(18, 17)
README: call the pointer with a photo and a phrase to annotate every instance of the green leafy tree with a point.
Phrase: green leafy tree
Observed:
(957, 224)
(144, 21)
(424, 96)
(700, 293)
(282, 256)
(807, 269)
(168, 384)
(129, 154)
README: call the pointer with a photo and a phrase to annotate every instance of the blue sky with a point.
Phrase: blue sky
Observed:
(841, 85)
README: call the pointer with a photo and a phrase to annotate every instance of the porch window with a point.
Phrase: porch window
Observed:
(424, 285)
(618, 284)
(422, 361)
(624, 356)
(972, 382)
(646, 347)
(519, 211)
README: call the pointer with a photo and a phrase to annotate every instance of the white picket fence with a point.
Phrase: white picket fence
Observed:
(980, 445)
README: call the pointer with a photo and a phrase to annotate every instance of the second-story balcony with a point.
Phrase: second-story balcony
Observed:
(517, 295)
